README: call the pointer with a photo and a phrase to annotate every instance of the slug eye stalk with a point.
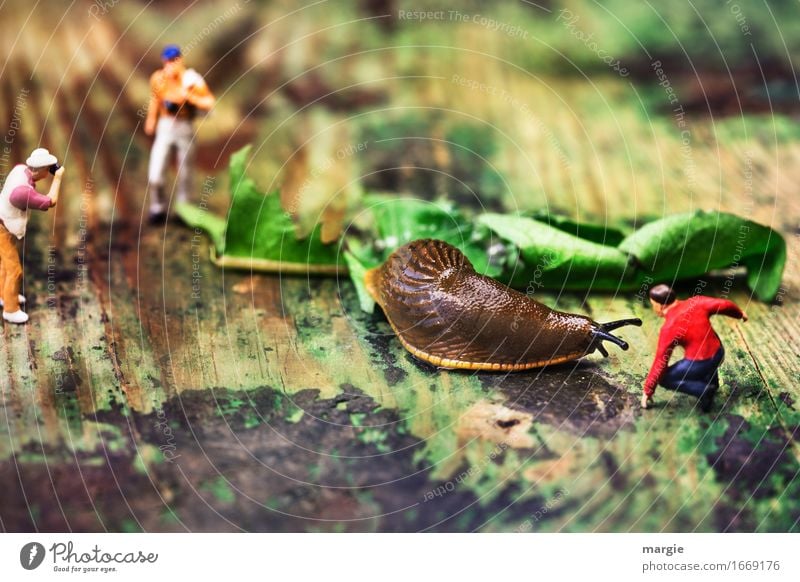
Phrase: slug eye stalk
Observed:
(601, 332)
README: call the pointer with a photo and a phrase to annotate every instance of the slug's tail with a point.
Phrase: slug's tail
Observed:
(602, 332)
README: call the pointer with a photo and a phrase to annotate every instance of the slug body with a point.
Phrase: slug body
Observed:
(447, 314)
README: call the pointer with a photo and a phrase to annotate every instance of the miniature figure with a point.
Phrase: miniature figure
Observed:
(687, 325)
(176, 95)
(17, 197)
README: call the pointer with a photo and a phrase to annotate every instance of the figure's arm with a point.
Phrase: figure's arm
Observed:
(724, 307)
(27, 198)
(153, 107)
(197, 92)
(200, 96)
(666, 345)
(55, 187)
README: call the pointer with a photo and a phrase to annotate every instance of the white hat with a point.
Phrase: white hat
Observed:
(41, 158)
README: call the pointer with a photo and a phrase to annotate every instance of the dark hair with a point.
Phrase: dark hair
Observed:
(662, 294)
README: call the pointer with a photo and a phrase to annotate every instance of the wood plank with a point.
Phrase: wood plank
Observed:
(155, 391)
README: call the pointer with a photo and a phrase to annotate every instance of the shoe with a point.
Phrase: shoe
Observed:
(157, 217)
(157, 214)
(20, 298)
(17, 316)
(706, 400)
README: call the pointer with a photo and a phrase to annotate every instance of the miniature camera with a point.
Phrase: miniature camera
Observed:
(171, 107)
(54, 168)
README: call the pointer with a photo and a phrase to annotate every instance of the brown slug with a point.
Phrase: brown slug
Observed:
(447, 314)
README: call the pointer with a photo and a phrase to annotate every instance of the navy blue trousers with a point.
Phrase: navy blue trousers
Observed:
(696, 377)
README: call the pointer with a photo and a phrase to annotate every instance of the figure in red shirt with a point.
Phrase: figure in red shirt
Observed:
(687, 325)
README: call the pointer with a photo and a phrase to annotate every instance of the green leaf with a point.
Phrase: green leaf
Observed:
(692, 244)
(357, 270)
(202, 219)
(259, 228)
(600, 233)
(402, 220)
(553, 259)
(545, 251)
(360, 258)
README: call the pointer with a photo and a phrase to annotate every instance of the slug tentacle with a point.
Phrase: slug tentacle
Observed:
(452, 317)
(612, 325)
(601, 333)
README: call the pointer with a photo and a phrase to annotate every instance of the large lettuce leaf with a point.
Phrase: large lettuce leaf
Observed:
(542, 251)
(554, 259)
(690, 245)
(259, 231)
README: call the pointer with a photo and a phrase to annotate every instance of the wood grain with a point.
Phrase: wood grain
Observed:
(153, 390)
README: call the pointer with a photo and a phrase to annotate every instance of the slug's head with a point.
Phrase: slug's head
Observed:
(601, 332)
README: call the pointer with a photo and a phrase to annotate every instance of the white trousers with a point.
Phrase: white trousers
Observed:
(177, 133)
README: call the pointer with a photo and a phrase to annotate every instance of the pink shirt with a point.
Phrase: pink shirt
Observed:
(26, 196)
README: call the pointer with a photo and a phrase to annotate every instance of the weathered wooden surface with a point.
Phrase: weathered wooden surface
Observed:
(153, 391)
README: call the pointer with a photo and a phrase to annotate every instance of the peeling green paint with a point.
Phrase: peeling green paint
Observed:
(220, 489)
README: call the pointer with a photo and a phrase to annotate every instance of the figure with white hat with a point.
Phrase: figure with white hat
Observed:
(177, 93)
(17, 198)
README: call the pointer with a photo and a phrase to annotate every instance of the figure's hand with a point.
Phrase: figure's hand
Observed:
(744, 316)
(646, 401)
(59, 172)
(181, 95)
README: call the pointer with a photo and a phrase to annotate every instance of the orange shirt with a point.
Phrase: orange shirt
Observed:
(168, 90)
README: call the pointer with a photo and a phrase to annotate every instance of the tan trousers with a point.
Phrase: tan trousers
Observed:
(10, 271)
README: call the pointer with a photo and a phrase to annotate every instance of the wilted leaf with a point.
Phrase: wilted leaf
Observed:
(554, 259)
(690, 245)
(402, 220)
(258, 228)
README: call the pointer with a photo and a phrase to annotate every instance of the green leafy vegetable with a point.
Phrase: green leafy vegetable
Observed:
(263, 229)
(554, 259)
(199, 218)
(690, 245)
(600, 233)
(258, 229)
(359, 260)
(541, 250)
(676, 247)
(402, 220)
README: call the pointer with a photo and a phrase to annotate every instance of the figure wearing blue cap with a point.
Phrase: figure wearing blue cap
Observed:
(176, 94)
